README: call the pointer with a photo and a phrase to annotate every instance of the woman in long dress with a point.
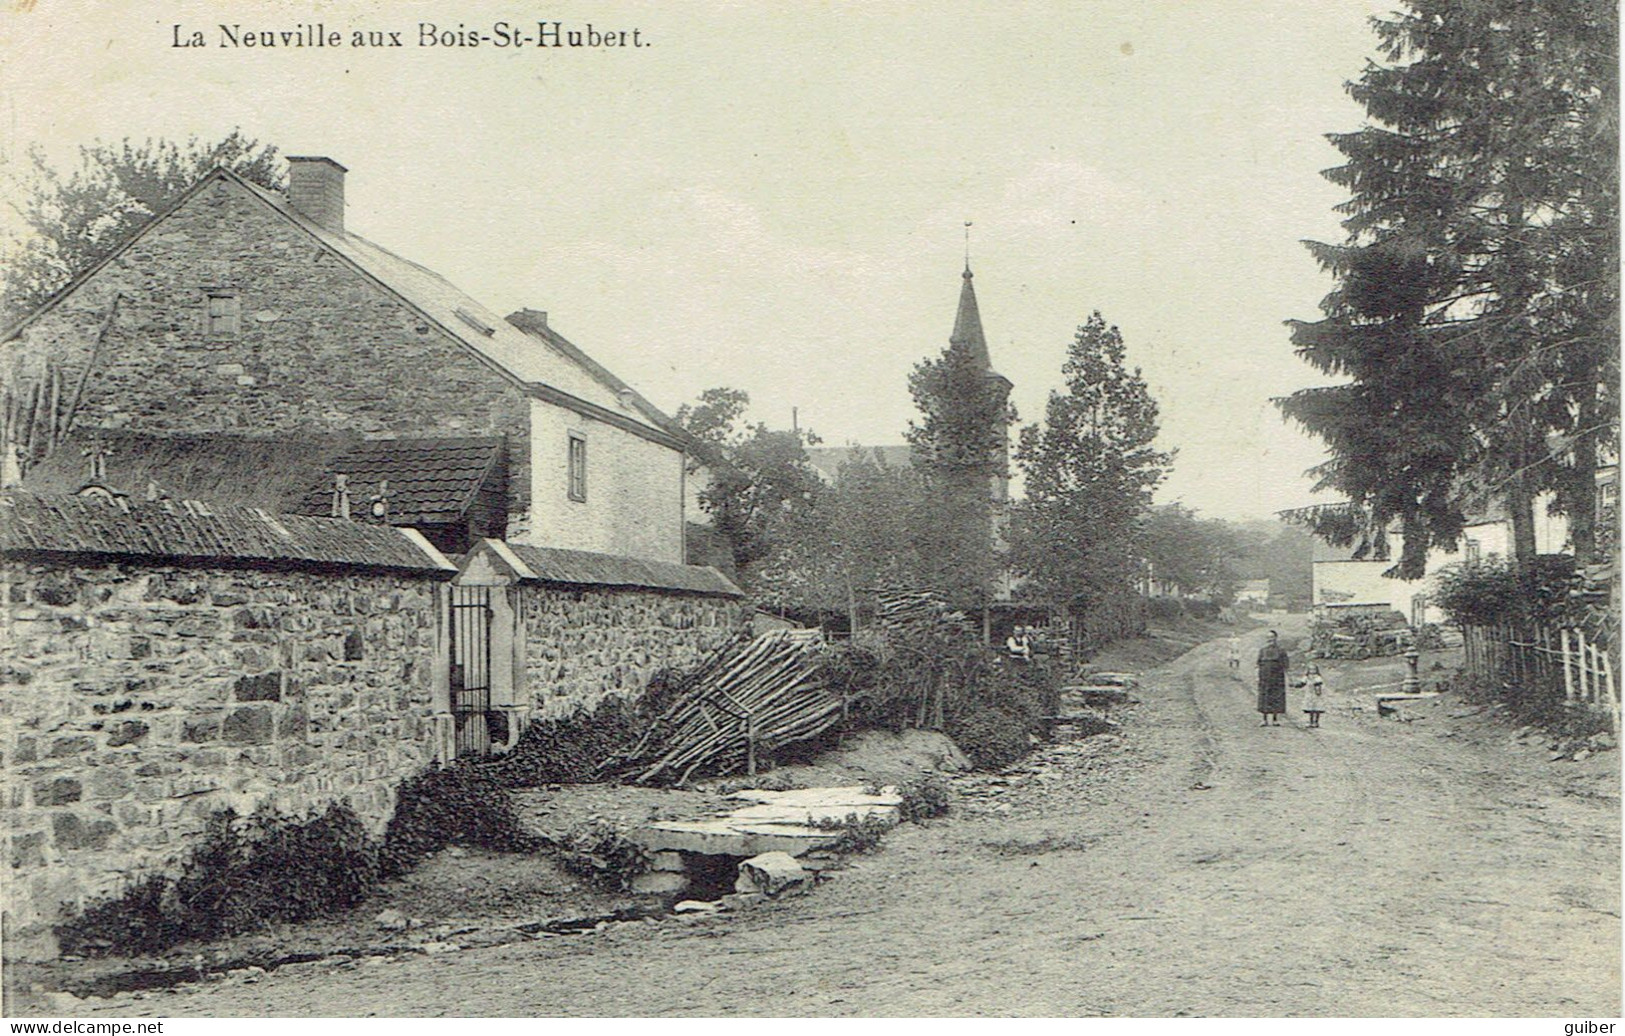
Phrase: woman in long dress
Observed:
(1272, 666)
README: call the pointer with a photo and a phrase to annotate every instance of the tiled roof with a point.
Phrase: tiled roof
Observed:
(584, 568)
(180, 531)
(430, 480)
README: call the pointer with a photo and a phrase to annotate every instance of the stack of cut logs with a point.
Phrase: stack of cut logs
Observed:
(742, 703)
(903, 609)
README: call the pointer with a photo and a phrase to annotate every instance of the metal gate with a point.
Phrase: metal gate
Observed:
(471, 668)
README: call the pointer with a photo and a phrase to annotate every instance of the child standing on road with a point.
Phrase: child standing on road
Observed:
(1314, 691)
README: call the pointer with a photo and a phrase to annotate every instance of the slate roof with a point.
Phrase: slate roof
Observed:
(967, 333)
(431, 481)
(584, 568)
(527, 358)
(188, 532)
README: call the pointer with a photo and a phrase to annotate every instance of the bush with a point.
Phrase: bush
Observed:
(570, 750)
(934, 680)
(857, 834)
(1547, 594)
(992, 736)
(924, 798)
(133, 923)
(1202, 609)
(463, 804)
(1493, 592)
(1164, 609)
(996, 723)
(269, 867)
(603, 853)
(245, 873)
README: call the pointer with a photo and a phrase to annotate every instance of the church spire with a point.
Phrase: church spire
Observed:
(968, 324)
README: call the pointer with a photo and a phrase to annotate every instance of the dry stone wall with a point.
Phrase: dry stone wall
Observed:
(136, 701)
(584, 644)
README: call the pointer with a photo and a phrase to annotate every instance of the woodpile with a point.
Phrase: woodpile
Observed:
(922, 611)
(741, 703)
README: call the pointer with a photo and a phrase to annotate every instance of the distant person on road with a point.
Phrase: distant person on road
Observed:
(1314, 694)
(1272, 666)
(1019, 645)
(1235, 654)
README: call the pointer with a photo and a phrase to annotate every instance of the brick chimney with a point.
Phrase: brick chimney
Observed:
(316, 190)
(531, 321)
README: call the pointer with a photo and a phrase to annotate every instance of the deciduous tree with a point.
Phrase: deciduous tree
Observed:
(961, 447)
(758, 482)
(67, 222)
(1199, 555)
(1090, 470)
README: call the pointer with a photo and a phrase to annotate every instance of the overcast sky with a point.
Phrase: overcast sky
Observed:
(771, 196)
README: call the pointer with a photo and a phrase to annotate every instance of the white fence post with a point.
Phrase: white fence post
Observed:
(1585, 666)
(1608, 686)
(1568, 675)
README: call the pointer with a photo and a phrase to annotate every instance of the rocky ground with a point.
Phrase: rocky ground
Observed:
(1433, 863)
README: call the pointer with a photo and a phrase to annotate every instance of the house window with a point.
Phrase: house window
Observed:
(224, 312)
(1474, 551)
(578, 466)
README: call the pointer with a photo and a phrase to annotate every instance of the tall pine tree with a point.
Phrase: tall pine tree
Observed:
(1475, 311)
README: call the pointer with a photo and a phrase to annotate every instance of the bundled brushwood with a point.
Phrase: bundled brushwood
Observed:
(905, 610)
(741, 703)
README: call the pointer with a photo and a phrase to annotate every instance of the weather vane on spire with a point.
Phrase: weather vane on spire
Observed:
(967, 244)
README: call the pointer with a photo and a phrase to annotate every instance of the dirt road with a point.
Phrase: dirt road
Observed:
(1198, 865)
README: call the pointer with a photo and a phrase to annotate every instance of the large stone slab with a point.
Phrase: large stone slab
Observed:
(721, 837)
(775, 821)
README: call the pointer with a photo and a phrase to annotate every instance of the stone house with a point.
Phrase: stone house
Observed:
(1339, 579)
(244, 312)
(167, 660)
(1253, 593)
(246, 349)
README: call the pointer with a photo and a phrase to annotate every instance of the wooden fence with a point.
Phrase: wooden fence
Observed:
(1543, 662)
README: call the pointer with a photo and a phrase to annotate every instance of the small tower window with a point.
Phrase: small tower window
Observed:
(578, 466)
(225, 312)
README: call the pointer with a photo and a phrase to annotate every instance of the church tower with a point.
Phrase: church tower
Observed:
(968, 338)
